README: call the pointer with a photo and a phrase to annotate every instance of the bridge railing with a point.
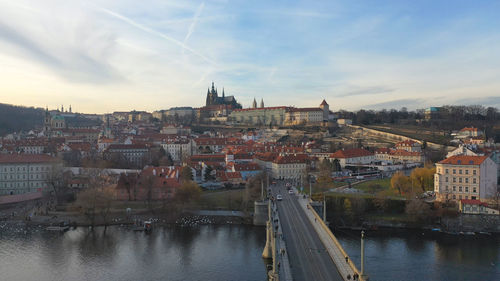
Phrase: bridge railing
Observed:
(335, 241)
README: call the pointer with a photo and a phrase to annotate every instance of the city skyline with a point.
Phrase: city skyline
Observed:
(102, 56)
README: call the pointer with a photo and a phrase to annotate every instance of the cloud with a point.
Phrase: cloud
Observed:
(359, 91)
(74, 64)
(396, 104)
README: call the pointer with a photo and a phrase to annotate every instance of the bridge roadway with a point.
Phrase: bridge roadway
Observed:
(309, 259)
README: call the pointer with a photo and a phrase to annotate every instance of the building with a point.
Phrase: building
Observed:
(281, 115)
(291, 166)
(409, 145)
(475, 207)
(214, 99)
(135, 154)
(25, 173)
(434, 113)
(465, 177)
(353, 157)
(469, 132)
(399, 155)
(178, 148)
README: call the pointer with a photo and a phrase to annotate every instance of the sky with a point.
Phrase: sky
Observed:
(104, 56)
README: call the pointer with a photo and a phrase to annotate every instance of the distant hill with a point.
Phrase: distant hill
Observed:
(19, 118)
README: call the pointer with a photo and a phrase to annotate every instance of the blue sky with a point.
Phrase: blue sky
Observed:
(101, 56)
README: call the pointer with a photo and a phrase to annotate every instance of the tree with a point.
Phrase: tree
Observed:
(418, 210)
(188, 192)
(208, 173)
(186, 174)
(56, 181)
(400, 182)
(423, 178)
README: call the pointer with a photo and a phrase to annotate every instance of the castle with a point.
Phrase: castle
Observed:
(214, 99)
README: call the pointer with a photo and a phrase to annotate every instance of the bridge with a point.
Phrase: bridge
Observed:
(301, 245)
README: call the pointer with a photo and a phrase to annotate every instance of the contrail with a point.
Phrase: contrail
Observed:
(195, 21)
(154, 32)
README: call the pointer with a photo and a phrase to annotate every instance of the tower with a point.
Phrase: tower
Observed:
(223, 95)
(46, 121)
(262, 103)
(62, 108)
(326, 109)
(254, 104)
(70, 108)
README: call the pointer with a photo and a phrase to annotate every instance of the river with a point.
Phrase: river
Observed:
(229, 252)
(207, 252)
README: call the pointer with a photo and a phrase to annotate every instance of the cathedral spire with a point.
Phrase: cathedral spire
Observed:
(254, 104)
(223, 92)
(262, 103)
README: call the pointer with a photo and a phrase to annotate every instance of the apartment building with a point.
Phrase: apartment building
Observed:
(465, 177)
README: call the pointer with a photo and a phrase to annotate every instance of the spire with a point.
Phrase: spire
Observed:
(213, 88)
(223, 92)
(70, 108)
(262, 103)
(254, 104)
(62, 108)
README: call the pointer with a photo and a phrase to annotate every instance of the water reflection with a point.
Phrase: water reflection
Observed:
(170, 253)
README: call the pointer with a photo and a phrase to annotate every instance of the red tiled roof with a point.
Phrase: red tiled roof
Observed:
(351, 153)
(304, 109)
(127, 146)
(406, 143)
(464, 160)
(26, 158)
(324, 102)
(472, 129)
(290, 159)
(472, 202)
(402, 152)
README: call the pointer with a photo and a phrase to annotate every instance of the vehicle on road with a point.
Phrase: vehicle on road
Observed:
(279, 197)
(290, 191)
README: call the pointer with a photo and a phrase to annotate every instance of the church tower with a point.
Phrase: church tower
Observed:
(262, 103)
(46, 122)
(254, 104)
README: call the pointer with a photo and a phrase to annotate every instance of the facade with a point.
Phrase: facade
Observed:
(133, 153)
(178, 149)
(292, 166)
(475, 207)
(354, 156)
(409, 145)
(465, 177)
(399, 156)
(24, 173)
(280, 115)
(469, 132)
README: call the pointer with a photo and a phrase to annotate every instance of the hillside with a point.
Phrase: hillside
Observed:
(19, 118)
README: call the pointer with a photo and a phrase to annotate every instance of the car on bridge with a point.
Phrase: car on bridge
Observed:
(290, 191)
(279, 197)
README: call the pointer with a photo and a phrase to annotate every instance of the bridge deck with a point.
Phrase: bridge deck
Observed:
(309, 258)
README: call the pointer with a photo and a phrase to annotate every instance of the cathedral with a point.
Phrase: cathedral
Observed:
(214, 99)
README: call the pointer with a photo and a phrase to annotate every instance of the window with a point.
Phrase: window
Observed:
(454, 196)
(460, 180)
(460, 189)
(446, 179)
(466, 180)
(454, 179)
(460, 171)
(474, 180)
(474, 172)
(466, 172)
(466, 189)
(447, 171)
(454, 171)
(474, 190)
(454, 188)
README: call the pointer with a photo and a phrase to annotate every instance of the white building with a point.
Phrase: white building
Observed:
(178, 149)
(24, 173)
(354, 156)
(465, 177)
(292, 166)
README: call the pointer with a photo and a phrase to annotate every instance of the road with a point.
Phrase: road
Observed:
(309, 259)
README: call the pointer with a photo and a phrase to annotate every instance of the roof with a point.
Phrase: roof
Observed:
(351, 153)
(291, 158)
(261, 108)
(127, 146)
(472, 202)
(324, 102)
(471, 129)
(464, 160)
(26, 158)
(304, 109)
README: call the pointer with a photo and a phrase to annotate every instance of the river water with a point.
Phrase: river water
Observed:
(229, 252)
(208, 252)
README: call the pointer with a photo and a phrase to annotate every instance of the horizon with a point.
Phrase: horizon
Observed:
(102, 56)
